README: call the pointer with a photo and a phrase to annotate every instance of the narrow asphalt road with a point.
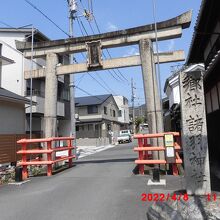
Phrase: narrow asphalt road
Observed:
(100, 187)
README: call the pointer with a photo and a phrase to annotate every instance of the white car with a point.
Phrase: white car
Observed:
(124, 138)
(125, 132)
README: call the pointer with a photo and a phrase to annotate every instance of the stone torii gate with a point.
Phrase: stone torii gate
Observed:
(143, 35)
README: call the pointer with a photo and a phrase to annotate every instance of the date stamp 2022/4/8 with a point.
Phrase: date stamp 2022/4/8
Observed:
(152, 197)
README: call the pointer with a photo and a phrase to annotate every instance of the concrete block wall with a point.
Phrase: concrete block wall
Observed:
(92, 142)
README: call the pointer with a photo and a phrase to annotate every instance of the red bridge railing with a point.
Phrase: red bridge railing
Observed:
(145, 151)
(49, 151)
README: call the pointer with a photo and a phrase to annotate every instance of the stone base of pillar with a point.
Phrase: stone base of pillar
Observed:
(162, 182)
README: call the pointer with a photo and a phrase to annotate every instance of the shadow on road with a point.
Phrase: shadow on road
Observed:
(106, 161)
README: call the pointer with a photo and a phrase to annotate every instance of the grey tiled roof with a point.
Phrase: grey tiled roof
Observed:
(91, 100)
(5, 94)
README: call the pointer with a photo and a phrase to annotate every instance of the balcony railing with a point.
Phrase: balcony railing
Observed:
(64, 96)
(35, 92)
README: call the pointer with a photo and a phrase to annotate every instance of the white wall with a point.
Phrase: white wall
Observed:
(174, 97)
(12, 75)
(173, 92)
(124, 118)
(12, 118)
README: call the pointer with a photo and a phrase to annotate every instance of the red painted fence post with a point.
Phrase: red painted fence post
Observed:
(70, 152)
(49, 158)
(24, 160)
(141, 156)
(146, 152)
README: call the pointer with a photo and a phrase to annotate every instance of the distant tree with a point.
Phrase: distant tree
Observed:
(138, 121)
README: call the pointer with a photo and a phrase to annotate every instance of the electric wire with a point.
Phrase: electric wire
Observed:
(66, 34)
(36, 8)
(81, 28)
(96, 23)
(19, 31)
(88, 93)
(108, 88)
(121, 78)
(81, 24)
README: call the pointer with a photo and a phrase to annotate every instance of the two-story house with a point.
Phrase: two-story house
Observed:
(97, 120)
(12, 79)
(12, 119)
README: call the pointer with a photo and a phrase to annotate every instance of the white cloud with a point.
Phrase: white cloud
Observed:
(111, 27)
(171, 45)
(131, 52)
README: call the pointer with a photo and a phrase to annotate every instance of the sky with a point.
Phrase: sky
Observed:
(110, 15)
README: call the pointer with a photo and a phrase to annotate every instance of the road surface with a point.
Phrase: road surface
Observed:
(100, 187)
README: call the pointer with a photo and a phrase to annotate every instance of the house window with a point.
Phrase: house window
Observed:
(110, 112)
(90, 127)
(108, 127)
(96, 127)
(114, 113)
(81, 128)
(105, 110)
(92, 109)
(77, 128)
(119, 113)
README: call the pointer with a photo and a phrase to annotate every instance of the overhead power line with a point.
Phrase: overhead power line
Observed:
(19, 31)
(96, 23)
(35, 7)
(108, 90)
(122, 78)
(80, 22)
(81, 26)
(88, 93)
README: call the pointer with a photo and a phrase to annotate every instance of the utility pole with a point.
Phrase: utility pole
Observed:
(31, 78)
(132, 100)
(72, 10)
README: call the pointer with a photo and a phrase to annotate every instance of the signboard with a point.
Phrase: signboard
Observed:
(169, 145)
(168, 140)
(94, 54)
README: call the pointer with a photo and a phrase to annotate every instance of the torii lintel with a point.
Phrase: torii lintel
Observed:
(168, 29)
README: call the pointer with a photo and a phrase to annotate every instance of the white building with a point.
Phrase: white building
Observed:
(123, 116)
(12, 79)
(172, 91)
(171, 87)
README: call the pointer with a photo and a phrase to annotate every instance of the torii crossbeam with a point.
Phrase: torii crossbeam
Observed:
(143, 35)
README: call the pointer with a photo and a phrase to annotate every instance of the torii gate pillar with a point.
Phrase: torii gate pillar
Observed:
(50, 105)
(152, 99)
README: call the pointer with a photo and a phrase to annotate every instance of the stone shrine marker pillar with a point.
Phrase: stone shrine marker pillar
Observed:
(194, 133)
